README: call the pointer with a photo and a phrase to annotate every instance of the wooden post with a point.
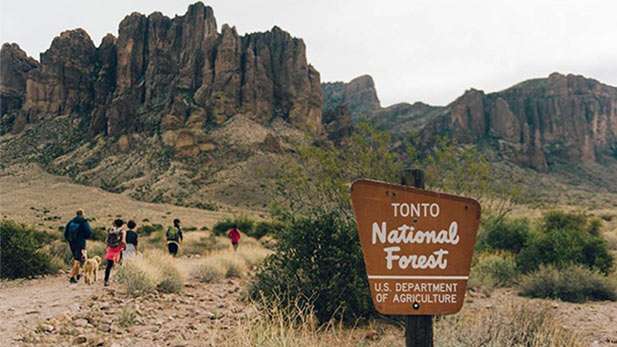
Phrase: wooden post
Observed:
(418, 328)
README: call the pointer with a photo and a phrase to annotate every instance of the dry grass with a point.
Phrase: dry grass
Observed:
(517, 325)
(153, 270)
(229, 264)
(296, 325)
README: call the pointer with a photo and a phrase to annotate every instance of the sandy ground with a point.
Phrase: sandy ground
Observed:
(32, 196)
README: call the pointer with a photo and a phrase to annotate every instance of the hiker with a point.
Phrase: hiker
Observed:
(131, 241)
(174, 237)
(76, 231)
(116, 239)
(234, 235)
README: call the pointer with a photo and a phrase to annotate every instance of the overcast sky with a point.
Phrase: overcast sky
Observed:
(429, 51)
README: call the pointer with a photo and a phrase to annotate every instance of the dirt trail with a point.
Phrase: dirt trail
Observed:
(51, 311)
(40, 299)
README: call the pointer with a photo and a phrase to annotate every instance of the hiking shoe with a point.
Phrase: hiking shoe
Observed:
(106, 284)
(78, 277)
(72, 280)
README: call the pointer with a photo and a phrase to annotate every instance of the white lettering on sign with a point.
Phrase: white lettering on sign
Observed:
(415, 210)
(407, 234)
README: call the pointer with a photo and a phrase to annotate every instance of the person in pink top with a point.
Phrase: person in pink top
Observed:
(116, 241)
(234, 235)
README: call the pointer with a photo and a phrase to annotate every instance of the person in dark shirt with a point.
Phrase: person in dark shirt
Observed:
(131, 241)
(174, 238)
(76, 232)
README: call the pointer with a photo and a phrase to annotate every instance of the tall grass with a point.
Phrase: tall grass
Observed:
(278, 326)
(283, 323)
(517, 325)
(228, 264)
(153, 270)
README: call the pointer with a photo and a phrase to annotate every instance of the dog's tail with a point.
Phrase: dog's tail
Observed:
(98, 259)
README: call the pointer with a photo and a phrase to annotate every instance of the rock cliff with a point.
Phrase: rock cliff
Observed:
(164, 75)
(571, 118)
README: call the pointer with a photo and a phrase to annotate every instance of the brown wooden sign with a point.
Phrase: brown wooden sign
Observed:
(417, 246)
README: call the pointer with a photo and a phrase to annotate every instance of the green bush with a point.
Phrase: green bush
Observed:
(148, 229)
(20, 251)
(565, 238)
(573, 283)
(60, 249)
(244, 223)
(318, 260)
(98, 234)
(267, 228)
(507, 235)
(493, 270)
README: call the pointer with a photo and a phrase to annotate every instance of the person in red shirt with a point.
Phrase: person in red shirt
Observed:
(234, 235)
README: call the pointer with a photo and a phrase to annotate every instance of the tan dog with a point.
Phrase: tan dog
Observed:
(91, 269)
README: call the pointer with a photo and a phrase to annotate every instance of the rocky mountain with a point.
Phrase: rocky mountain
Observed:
(535, 123)
(169, 75)
(172, 110)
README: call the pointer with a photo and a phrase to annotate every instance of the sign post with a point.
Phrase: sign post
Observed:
(418, 328)
(417, 247)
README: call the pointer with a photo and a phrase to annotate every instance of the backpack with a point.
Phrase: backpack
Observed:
(172, 234)
(73, 231)
(114, 237)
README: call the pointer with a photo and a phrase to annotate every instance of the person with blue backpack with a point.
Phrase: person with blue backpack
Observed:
(174, 238)
(76, 232)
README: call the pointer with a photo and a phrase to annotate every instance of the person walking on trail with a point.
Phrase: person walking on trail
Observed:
(131, 241)
(174, 237)
(76, 232)
(116, 239)
(234, 235)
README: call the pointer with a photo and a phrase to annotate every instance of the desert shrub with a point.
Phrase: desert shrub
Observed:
(126, 317)
(493, 270)
(244, 223)
(20, 251)
(56, 264)
(574, 283)
(234, 266)
(253, 255)
(267, 228)
(208, 271)
(147, 229)
(318, 260)
(506, 234)
(153, 270)
(515, 325)
(189, 228)
(61, 250)
(98, 234)
(565, 238)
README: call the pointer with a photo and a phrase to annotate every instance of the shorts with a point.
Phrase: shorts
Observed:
(172, 248)
(76, 250)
